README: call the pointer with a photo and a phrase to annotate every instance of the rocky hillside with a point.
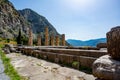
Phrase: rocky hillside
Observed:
(38, 22)
(11, 21)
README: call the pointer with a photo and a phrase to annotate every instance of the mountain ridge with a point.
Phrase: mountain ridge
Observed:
(91, 42)
(38, 22)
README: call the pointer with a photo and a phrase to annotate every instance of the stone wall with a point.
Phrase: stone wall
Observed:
(88, 53)
(75, 58)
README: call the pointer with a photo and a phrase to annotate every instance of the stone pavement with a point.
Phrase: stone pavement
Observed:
(37, 69)
(3, 76)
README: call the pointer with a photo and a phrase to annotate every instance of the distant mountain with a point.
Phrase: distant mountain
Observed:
(92, 42)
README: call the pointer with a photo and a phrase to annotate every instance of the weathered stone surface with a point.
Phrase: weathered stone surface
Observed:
(102, 45)
(6, 50)
(46, 36)
(106, 68)
(113, 42)
(11, 21)
(86, 61)
(38, 69)
(30, 41)
(8, 45)
(39, 40)
(9, 48)
(63, 39)
(52, 40)
(57, 40)
(12, 49)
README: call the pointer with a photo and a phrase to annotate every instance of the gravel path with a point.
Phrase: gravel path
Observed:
(3, 76)
(37, 69)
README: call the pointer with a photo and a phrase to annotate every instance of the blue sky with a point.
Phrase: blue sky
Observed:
(78, 19)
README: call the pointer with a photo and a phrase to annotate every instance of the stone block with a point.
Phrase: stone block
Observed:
(106, 68)
(113, 42)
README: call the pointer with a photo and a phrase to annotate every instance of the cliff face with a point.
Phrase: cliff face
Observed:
(38, 22)
(11, 21)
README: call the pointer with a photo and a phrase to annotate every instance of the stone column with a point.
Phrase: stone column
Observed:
(113, 43)
(52, 40)
(39, 40)
(46, 36)
(57, 40)
(63, 39)
(30, 41)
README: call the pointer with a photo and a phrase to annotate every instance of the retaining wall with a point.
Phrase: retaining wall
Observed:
(73, 58)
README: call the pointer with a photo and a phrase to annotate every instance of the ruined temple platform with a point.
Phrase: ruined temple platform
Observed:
(65, 55)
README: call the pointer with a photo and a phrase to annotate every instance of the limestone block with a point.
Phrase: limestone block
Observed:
(51, 56)
(101, 45)
(113, 42)
(106, 68)
(86, 61)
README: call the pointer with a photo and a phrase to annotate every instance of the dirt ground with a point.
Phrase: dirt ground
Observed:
(37, 69)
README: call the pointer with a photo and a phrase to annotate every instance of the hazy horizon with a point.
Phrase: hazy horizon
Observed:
(78, 19)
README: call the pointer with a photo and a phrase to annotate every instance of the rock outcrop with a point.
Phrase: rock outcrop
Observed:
(106, 68)
(11, 21)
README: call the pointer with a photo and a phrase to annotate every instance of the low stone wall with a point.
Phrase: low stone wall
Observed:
(73, 58)
(86, 61)
(88, 53)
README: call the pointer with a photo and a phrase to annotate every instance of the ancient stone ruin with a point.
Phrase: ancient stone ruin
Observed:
(107, 67)
(46, 36)
(39, 40)
(30, 41)
(52, 40)
(113, 43)
(57, 40)
(63, 39)
(101, 45)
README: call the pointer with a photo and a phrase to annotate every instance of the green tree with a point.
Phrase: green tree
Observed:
(19, 38)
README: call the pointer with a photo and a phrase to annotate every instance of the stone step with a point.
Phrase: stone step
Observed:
(88, 53)
(61, 58)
